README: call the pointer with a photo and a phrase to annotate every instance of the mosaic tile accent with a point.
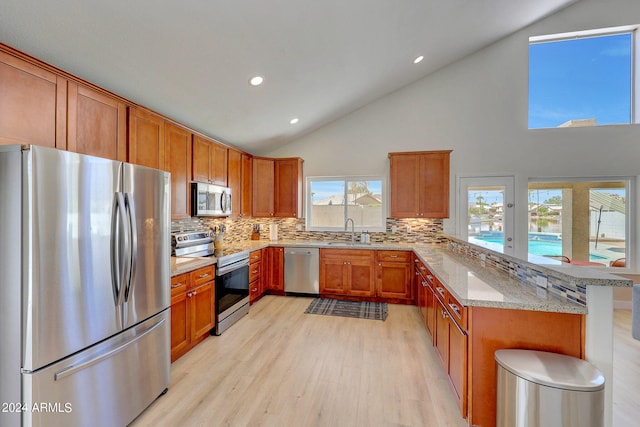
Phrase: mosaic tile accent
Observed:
(239, 229)
(556, 284)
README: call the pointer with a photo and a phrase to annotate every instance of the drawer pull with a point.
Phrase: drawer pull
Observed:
(424, 284)
(455, 309)
(440, 291)
(177, 285)
(254, 271)
(202, 276)
(393, 256)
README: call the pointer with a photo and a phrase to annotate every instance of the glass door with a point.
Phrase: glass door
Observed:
(485, 212)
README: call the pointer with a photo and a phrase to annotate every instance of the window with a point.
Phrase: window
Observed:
(583, 78)
(331, 200)
(487, 204)
(581, 222)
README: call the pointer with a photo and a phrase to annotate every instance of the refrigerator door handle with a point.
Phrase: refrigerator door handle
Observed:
(118, 270)
(132, 256)
(70, 370)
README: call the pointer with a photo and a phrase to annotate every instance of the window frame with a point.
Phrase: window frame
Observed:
(630, 227)
(634, 90)
(345, 178)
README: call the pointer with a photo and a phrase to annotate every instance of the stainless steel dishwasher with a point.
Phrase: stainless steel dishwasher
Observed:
(302, 271)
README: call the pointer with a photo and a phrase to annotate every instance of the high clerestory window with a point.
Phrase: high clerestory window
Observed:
(584, 78)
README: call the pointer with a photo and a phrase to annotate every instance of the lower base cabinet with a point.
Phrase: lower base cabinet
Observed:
(192, 309)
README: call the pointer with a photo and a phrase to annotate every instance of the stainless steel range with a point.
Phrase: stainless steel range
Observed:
(232, 275)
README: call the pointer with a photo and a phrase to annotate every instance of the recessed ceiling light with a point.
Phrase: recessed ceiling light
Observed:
(294, 120)
(256, 81)
(418, 59)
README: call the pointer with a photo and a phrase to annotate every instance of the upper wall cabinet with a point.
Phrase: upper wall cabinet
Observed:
(239, 175)
(97, 123)
(33, 103)
(209, 161)
(277, 187)
(146, 138)
(178, 163)
(420, 184)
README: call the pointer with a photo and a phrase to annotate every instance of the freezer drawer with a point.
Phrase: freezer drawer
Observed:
(107, 385)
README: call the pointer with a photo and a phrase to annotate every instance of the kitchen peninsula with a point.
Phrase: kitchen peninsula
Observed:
(489, 294)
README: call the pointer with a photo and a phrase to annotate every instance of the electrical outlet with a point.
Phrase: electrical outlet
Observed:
(408, 229)
(541, 281)
(483, 257)
(394, 229)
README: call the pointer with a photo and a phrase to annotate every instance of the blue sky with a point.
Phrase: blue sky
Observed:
(324, 189)
(580, 79)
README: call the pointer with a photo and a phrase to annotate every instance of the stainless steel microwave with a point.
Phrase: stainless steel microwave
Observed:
(210, 200)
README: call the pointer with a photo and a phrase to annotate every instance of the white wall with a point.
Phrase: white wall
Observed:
(478, 108)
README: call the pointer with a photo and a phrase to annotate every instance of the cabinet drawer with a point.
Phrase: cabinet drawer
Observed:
(457, 310)
(202, 275)
(394, 256)
(254, 271)
(179, 284)
(255, 256)
(254, 288)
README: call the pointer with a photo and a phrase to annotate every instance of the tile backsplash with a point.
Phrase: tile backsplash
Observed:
(397, 230)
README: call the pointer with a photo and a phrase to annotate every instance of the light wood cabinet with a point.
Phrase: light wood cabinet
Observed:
(347, 272)
(393, 275)
(97, 123)
(239, 173)
(192, 309)
(33, 104)
(178, 163)
(209, 161)
(420, 184)
(275, 284)
(258, 271)
(263, 187)
(146, 138)
(277, 187)
(288, 188)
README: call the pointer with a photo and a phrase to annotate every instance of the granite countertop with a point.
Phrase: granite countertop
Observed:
(475, 286)
(470, 283)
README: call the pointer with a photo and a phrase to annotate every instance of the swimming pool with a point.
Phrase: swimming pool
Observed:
(539, 244)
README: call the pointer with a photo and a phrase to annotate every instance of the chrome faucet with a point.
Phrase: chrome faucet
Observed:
(353, 229)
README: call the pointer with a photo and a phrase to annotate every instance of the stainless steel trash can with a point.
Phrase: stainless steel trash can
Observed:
(537, 388)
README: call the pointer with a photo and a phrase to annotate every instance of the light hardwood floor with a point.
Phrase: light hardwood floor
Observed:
(281, 367)
(626, 372)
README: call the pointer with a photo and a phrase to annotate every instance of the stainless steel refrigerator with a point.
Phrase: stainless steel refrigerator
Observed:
(84, 288)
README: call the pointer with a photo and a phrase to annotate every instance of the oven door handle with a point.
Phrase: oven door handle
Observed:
(228, 268)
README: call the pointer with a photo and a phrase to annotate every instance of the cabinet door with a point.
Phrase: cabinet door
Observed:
(276, 269)
(458, 364)
(288, 187)
(178, 162)
(146, 139)
(219, 164)
(394, 280)
(180, 325)
(97, 124)
(334, 275)
(201, 159)
(405, 185)
(246, 194)
(441, 339)
(234, 181)
(203, 315)
(361, 276)
(263, 184)
(434, 181)
(33, 104)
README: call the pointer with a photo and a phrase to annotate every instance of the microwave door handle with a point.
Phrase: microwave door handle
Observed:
(132, 256)
(223, 201)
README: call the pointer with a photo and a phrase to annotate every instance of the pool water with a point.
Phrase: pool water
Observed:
(538, 247)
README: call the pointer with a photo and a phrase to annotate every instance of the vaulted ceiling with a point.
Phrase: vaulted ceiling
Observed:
(192, 59)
